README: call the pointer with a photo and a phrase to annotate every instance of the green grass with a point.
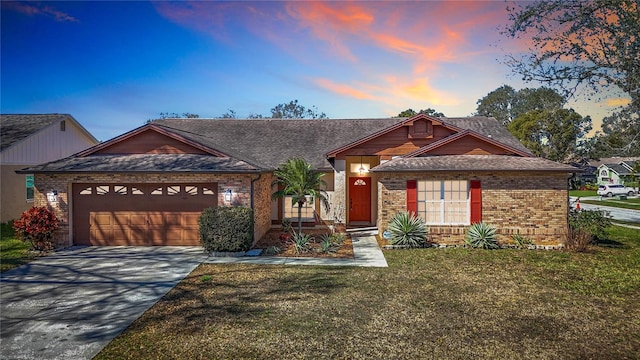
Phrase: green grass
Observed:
(13, 252)
(429, 304)
(581, 193)
(633, 204)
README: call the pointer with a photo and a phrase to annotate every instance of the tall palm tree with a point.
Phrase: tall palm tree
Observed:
(299, 181)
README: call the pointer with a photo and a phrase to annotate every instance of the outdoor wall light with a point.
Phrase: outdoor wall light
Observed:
(227, 195)
(362, 169)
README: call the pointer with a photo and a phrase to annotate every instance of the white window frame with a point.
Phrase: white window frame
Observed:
(291, 211)
(439, 204)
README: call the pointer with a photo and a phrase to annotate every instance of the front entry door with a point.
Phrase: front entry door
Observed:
(359, 199)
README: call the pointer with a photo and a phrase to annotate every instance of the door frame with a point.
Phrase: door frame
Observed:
(351, 180)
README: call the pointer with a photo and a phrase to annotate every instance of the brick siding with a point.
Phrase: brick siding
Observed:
(532, 204)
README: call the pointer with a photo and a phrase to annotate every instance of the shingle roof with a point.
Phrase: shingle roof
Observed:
(619, 169)
(472, 163)
(144, 163)
(272, 142)
(16, 127)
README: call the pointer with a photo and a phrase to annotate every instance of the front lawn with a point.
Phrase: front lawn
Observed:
(633, 204)
(582, 193)
(429, 304)
(13, 252)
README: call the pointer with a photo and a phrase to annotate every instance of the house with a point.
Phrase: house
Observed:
(31, 139)
(148, 186)
(617, 170)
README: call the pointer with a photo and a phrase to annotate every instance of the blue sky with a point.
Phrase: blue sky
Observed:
(113, 65)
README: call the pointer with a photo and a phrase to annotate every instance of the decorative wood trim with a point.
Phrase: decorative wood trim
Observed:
(460, 135)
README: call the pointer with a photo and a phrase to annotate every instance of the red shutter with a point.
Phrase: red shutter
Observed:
(476, 202)
(412, 196)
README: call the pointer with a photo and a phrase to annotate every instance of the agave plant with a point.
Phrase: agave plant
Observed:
(407, 229)
(482, 235)
(301, 242)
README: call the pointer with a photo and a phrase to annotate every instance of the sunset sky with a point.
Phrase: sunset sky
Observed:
(113, 65)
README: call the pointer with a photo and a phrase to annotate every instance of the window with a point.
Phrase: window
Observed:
(29, 186)
(443, 202)
(291, 211)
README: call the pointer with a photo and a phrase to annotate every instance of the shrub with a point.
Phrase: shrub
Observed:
(301, 242)
(521, 241)
(328, 244)
(226, 229)
(577, 240)
(481, 235)
(408, 229)
(272, 250)
(593, 222)
(286, 225)
(338, 238)
(37, 226)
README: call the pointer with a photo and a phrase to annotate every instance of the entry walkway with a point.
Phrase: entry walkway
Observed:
(365, 250)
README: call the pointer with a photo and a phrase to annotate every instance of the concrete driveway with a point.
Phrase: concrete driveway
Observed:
(71, 304)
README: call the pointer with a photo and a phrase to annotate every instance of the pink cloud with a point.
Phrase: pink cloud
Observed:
(32, 9)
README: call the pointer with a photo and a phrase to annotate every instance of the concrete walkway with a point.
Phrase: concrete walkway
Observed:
(365, 250)
(71, 304)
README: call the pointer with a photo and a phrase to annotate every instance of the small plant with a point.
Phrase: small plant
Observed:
(286, 225)
(408, 229)
(338, 238)
(272, 250)
(37, 226)
(205, 278)
(578, 240)
(327, 245)
(481, 235)
(521, 241)
(301, 242)
(284, 237)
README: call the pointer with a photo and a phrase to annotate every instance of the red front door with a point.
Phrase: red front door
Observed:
(359, 199)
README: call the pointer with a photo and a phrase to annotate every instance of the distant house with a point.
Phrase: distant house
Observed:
(616, 170)
(31, 139)
(149, 185)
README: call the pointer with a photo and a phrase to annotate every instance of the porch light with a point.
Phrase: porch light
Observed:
(227, 195)
(362, 169)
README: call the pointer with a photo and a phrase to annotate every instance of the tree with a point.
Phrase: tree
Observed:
(620, 136)
(293, 110)
(551, 133)
(506, 103)
(591, 44)
(299, 180)
(230, 114)
(173, 115)
(427, 111)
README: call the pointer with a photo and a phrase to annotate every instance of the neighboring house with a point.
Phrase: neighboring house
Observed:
(31, 139)
(148, 186)
(617, 170)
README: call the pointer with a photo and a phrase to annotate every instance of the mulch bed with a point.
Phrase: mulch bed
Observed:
(272, 238)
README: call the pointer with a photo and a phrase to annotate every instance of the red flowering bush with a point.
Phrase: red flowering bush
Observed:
(37, 226)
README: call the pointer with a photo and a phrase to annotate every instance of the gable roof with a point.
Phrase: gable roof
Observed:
(17, 127)
(472, 163)
(465, 133)
(618, 169)
(486, 126)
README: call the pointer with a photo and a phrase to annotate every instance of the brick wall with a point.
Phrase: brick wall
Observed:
(262, 205)
(239, 184)
(532, 204)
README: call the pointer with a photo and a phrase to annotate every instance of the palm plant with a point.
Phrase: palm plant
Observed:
(407, 229)
(482, 235)
(298, 180)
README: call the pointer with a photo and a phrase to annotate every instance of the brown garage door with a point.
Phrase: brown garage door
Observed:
(140, 214)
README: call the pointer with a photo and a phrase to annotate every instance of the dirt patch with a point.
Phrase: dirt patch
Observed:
(272, 238)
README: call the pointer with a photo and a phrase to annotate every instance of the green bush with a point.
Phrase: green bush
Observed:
(481, 235)
(226, 229)
(408, 229)
(593, 222)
